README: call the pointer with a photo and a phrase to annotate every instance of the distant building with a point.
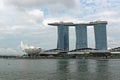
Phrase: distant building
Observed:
(100, 36)
(117, 49)
(81, 34)
(63, 37)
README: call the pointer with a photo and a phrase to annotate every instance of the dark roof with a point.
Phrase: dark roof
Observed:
(76, 24)
(53, 50)
(115, 49)
(83, 49)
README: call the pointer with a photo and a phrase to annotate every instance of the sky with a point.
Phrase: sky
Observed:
(26, 20)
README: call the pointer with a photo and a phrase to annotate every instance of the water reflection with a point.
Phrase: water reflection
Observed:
(85, 70)
(82, 66)
(82, 70)
(62, 69)
(102, 70)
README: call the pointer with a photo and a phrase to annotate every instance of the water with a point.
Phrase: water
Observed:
(59, 69)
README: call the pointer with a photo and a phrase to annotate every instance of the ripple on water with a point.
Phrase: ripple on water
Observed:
(59, 69)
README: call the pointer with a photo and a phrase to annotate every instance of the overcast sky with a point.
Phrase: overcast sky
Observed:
(26, 20)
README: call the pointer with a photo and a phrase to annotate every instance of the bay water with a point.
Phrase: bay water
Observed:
(59, 69)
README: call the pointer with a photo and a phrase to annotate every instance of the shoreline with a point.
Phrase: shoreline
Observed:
(94, 58)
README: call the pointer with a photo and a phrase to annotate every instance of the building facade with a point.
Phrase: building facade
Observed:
(81, 36)
(63, 37)
(100, 36)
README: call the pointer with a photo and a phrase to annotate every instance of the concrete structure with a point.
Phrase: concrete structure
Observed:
(100, 35)
(81, 34)
(63, 37)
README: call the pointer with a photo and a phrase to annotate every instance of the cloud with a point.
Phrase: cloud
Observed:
(10, 51)
(15, 21)
(112, 42)
(63, 18)
(1, 4)
(41, 3)
(36, 15)
(53, 7)
(105, 15)
(28, 19)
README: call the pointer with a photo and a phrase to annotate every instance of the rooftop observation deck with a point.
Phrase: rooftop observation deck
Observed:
(76, 24)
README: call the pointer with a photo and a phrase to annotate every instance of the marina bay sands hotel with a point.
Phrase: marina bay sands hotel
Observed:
(81, 34)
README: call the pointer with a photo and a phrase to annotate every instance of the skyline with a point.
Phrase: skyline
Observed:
(81, 34)
(26, 20)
